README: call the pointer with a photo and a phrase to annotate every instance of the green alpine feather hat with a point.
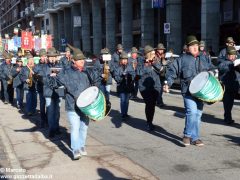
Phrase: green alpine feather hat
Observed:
(230, 40)
(191, 40)
(231, 50)
(78, 55)
(52, 52)
(124, 55)
(134, 50)
(42, 52)
(148, 49)
(202, 44)
(160, 46)
(104, 51)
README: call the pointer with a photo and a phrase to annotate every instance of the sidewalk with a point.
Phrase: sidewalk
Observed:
(31, 153)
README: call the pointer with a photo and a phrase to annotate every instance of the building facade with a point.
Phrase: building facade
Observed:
(94, 24)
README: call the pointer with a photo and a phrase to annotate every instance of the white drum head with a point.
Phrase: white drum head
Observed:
(198, 82)
(87, 97)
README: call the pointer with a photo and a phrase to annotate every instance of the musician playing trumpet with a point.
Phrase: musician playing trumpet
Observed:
(27, 76)
(124, 75)
(134, 61)
(149, 83)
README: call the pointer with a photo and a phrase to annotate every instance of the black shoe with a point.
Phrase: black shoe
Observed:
(123, 117)
(133, 97)
(229, 122)
(150, 127)
(58, 132)
(51, 134)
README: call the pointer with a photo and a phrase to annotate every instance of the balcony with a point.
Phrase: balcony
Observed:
(48, 6)
(74, 1)
(59, 4)
(38, 12)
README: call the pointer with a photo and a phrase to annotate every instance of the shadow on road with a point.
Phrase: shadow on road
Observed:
(106, 174)
(234, 139)
(59, 140)
(115, 118)
(206, 118)
(141, 125)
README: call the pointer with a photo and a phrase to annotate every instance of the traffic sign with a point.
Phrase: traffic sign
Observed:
(167, 28)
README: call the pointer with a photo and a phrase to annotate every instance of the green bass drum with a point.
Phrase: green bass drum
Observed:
(206, 87)
(93, 104)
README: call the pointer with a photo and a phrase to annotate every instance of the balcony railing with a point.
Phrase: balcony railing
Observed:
(38, 12)
(48, 6)
(60, 3)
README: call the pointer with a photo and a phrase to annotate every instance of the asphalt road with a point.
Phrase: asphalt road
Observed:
(162, 152)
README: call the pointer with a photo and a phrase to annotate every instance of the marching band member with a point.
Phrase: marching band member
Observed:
(160, 56)
(75, 79)
(124, 75)
(202, 48)
(39, 70)
(27, 76)
(186, 67)
(106, 69)
(223, 53)
(228, 74)
(66, 59)
(116, 55)
(17, 83)
(53, 97)
(149, 83)
(7, 79)
(134, 60)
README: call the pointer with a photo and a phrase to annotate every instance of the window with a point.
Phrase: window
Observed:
(47, 22)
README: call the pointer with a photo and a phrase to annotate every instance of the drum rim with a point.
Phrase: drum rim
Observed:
(93, 99)
(194, 78)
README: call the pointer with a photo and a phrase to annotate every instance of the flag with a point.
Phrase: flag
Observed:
(44, 41)
(26, 40)
(49, 41)
(37, 45)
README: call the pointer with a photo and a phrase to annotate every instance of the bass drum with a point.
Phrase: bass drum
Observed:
(206, 87)
(93, 104)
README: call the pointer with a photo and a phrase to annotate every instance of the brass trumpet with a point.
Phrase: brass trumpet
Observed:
(10, 81)
(30, 76)
(106, 71)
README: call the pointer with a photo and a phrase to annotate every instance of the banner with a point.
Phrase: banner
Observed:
(49, 41)
(17, 42)
(10, 45)
(26, 40)
(5, 44)
(44, 41)
(37, 45)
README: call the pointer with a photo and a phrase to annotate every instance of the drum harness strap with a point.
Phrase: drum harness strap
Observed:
(89, 78)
